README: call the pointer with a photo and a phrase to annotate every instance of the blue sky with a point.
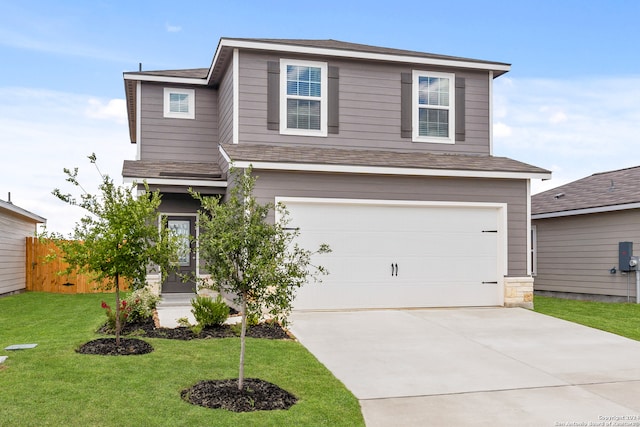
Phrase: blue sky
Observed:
(571, 102)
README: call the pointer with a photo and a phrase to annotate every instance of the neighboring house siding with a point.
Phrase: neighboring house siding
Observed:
(576, 253)
(225, 106)
(178, 139)
(369, 105)
(13, 233)
(512, 192)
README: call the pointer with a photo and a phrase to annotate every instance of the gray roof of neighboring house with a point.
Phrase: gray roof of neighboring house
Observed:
(600, 190)
(375, 158)
(8, 207)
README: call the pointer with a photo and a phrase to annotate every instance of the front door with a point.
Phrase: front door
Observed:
(181, 280)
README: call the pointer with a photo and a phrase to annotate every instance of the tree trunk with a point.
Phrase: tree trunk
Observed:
(118, 326)
(243, 333)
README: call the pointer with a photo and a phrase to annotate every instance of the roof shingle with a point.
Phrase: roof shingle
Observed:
(619, 187)
(376, 158)
(145, 169)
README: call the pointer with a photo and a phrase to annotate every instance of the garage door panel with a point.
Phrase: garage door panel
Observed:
(380, 295)
(445, 255)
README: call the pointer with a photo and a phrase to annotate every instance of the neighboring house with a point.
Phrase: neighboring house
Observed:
(577, 231)
(16, 224)
(384, 154)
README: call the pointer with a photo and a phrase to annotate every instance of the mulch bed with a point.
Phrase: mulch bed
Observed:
(256, 395)
(148, 329)
(108, 347)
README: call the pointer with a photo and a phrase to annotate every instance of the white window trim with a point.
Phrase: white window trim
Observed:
(324, 81)
(191, 96)
(451, 139)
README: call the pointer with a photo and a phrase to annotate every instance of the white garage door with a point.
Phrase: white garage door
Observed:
(394, 254)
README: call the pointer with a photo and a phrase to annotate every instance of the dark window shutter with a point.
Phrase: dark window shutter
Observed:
(460, 109)
(273, 95)
(406, 84)
(333, 107)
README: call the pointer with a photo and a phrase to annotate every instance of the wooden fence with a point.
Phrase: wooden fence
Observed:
(43, 275)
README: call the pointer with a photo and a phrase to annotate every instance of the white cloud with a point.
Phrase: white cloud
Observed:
(113, 109)
(558, 117)
(573, 127)
(55, 43)
(501, 130)
(173, 28)
(46, 131)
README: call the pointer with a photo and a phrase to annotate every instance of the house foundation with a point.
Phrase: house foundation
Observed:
(518, 292)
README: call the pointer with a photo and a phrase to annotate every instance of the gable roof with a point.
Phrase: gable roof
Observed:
(331, 47)
(328, 47)
(326, 159)
(323, 47)
(600, 192)
(11, 209)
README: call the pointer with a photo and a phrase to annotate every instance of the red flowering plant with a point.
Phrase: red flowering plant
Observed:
(124, 312)
(123, 236)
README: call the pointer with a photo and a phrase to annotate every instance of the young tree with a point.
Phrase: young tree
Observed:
(247, 256)
(119, 238)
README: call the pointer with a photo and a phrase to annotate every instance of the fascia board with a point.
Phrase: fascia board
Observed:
(164, 79)
(177, 182)
(600, 209)
(382, 170)
(10, 207)
(361, 55)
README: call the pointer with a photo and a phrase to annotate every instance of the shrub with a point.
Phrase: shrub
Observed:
(141, 303)
(209, 312)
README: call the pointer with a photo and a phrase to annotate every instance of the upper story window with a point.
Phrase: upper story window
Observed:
(179, 103)
(303, 97)
(433, 107)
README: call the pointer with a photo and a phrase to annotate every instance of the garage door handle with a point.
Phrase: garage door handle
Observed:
(394, 269)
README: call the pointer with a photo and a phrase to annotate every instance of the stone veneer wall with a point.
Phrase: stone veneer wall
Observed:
(518, 292)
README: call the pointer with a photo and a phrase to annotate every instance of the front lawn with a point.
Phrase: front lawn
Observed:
(53, 385)
(618, 318)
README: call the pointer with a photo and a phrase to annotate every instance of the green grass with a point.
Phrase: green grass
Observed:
(618, 318)
(53, 385)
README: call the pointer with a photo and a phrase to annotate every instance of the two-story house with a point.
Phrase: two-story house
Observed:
(384, 154)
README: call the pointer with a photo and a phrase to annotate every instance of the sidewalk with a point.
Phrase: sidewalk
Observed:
(173, 307)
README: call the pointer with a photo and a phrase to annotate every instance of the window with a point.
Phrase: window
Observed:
(303, 95)
(433, 107)
(179, 103)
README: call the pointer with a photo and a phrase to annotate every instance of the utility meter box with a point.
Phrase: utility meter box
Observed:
(625, 252)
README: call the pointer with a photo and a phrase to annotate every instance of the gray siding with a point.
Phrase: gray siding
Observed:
(512, 192)
(369, 107)
(225, 107)
(13, 233)
(178, 139)
(575, 254)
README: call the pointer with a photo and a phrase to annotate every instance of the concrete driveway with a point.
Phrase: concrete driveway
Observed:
(476, 366)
